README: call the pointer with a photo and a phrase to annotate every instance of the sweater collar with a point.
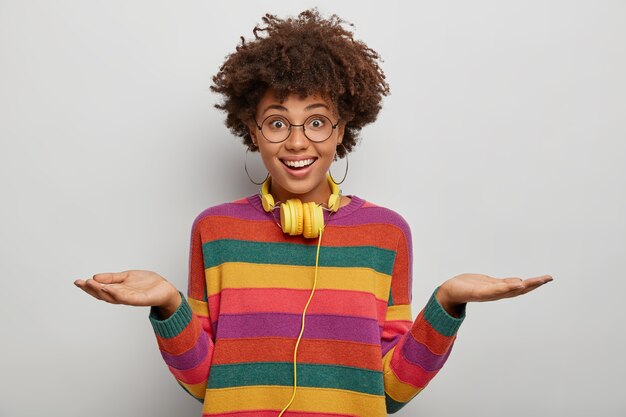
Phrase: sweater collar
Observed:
(354, 204)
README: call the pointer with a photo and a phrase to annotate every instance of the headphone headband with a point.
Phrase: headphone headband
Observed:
(267, 199)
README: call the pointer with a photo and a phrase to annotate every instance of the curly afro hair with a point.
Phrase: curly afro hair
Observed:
(304, 55)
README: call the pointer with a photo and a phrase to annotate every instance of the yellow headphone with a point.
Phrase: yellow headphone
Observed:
(298, 218)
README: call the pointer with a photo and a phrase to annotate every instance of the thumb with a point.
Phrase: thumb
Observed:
(111, 277)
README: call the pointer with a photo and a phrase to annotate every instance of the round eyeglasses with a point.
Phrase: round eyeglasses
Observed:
(276, 128)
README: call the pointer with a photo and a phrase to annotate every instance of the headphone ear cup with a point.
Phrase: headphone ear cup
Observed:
(298, 218)
(313, 219)
(291, 217)
(318, 218)
(285, 217)
(306, 215)
(293, 228)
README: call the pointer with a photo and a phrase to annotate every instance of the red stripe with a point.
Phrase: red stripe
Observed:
(320, 351)
(401, 273)
(196, 284)
(424, 333)
(395, 328)
(286, 300)
(224, 227)
(184, 341)
(243, 200)
(274, 413)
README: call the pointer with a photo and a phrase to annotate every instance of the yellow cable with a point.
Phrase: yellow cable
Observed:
(295, 351)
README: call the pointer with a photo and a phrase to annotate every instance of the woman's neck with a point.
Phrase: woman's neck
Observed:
(319, 194)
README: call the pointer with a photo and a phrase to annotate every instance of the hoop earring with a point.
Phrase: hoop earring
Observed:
(344, 174)
(245, 167)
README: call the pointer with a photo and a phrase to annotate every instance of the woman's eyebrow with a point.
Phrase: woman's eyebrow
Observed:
(315, 106)
(276, 107)
(307, 108)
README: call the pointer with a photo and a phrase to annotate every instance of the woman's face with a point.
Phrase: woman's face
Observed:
(308, 183)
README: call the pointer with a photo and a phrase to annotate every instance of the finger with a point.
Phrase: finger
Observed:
(528, 287)
(515, 282)
(515, 292)
(87, 287)
(537, 280)
(117, 293)
(107, 296)
(97, 289)
(493, 291)
(547, 278)
(111, 277)
(541, 278)
(534, 286)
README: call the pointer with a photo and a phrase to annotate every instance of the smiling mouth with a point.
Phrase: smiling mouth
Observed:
(301, 164)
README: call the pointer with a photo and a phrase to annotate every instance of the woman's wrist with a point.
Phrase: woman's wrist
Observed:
(454, 309)
(169, 308)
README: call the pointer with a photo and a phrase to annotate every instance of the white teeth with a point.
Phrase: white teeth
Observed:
(299, 164)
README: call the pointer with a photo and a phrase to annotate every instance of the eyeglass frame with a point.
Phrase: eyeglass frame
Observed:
(334, 126)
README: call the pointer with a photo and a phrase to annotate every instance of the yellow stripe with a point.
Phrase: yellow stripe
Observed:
(197, 390)
(199, 307)
(307, 399)
(396, 389)
(399, 312)
(245, 275)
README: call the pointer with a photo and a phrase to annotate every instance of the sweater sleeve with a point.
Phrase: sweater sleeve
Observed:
(185, 339)
(413, 351)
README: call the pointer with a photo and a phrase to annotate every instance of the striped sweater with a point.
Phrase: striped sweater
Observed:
(230, 343)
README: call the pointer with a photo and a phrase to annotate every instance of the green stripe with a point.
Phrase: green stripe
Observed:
(439, 318)
(173, 325)
(392, 405)
(309, 375)
(390, 301)
(220, 251)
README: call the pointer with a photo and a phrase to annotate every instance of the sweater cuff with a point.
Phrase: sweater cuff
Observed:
(173, 325)
(440, 319)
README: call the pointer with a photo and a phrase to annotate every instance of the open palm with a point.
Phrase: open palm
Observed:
(133, 287)
(478, 287)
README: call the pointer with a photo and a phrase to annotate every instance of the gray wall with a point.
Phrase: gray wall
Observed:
(503, 144)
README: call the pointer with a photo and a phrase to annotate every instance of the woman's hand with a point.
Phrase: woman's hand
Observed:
(463, 288)
(135, 288)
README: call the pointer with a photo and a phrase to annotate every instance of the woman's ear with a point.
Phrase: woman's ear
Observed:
(252, 130)
(340, 130)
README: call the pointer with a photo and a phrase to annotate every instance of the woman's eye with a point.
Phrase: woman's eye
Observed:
(316, 123)
(277, 124)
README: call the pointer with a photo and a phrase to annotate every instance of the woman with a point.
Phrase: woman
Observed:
(299, 297)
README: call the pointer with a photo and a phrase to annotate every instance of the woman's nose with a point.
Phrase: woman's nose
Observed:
(297, 139)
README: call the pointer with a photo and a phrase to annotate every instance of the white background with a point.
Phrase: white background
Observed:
(503, 144)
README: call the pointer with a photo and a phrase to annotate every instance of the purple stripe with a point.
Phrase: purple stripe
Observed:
(192, 357)
(386, 345)
(418, 354)
(373, 215)
(317, 326)
(243, 211)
